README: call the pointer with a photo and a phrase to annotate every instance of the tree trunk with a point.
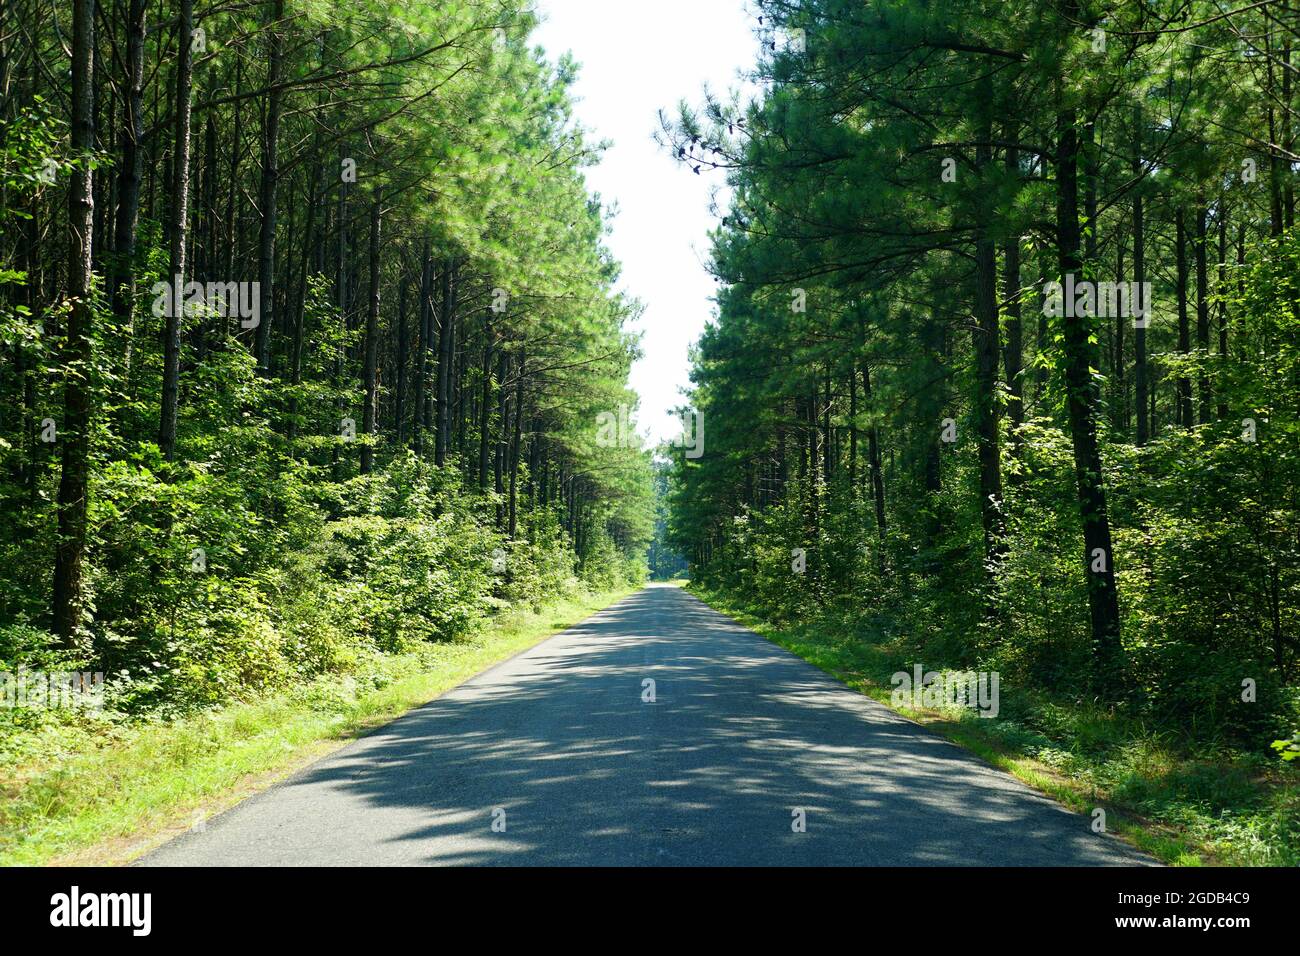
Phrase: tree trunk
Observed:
(986, 347)
(853, 436)
(1202, 314)
(270, 184)
(503, 416)
(1223, 305)
(311, 249)
(1140, 372)
(485, 404)
(828, 459)
(399, 400)
(814, 483)
(1119, 401)
(180, 199)
(422, 351)
(873, 461)
(516, 439)
(341, 297)
(1275, 172)
(370, 369)
(1183, 387)
(121, 285)
(1098, 556)
(1013, 349)
(446, 355)
(70, 548)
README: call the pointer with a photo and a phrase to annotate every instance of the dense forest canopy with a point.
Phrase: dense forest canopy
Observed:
(307, 322)
(1005, 361)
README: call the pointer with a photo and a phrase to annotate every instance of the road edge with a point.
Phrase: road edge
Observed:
(1144, 836)
(178, 816)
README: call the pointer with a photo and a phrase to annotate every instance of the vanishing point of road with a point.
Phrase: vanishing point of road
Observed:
(557, 757)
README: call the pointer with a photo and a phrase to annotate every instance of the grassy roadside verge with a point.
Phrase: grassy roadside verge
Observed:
(107, 798)
(1183, 809)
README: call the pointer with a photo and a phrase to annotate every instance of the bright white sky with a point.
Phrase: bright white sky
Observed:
(635, 60)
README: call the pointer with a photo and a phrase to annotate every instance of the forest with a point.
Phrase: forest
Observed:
(315, 402)
(307, 318)
(1006, 374)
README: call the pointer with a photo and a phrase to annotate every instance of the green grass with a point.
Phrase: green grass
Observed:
(1184, 808)
(106, 796)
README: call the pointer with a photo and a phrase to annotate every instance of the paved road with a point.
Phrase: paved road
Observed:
(739, 735)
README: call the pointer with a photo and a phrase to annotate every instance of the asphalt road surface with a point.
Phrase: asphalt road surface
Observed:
(558, 747)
